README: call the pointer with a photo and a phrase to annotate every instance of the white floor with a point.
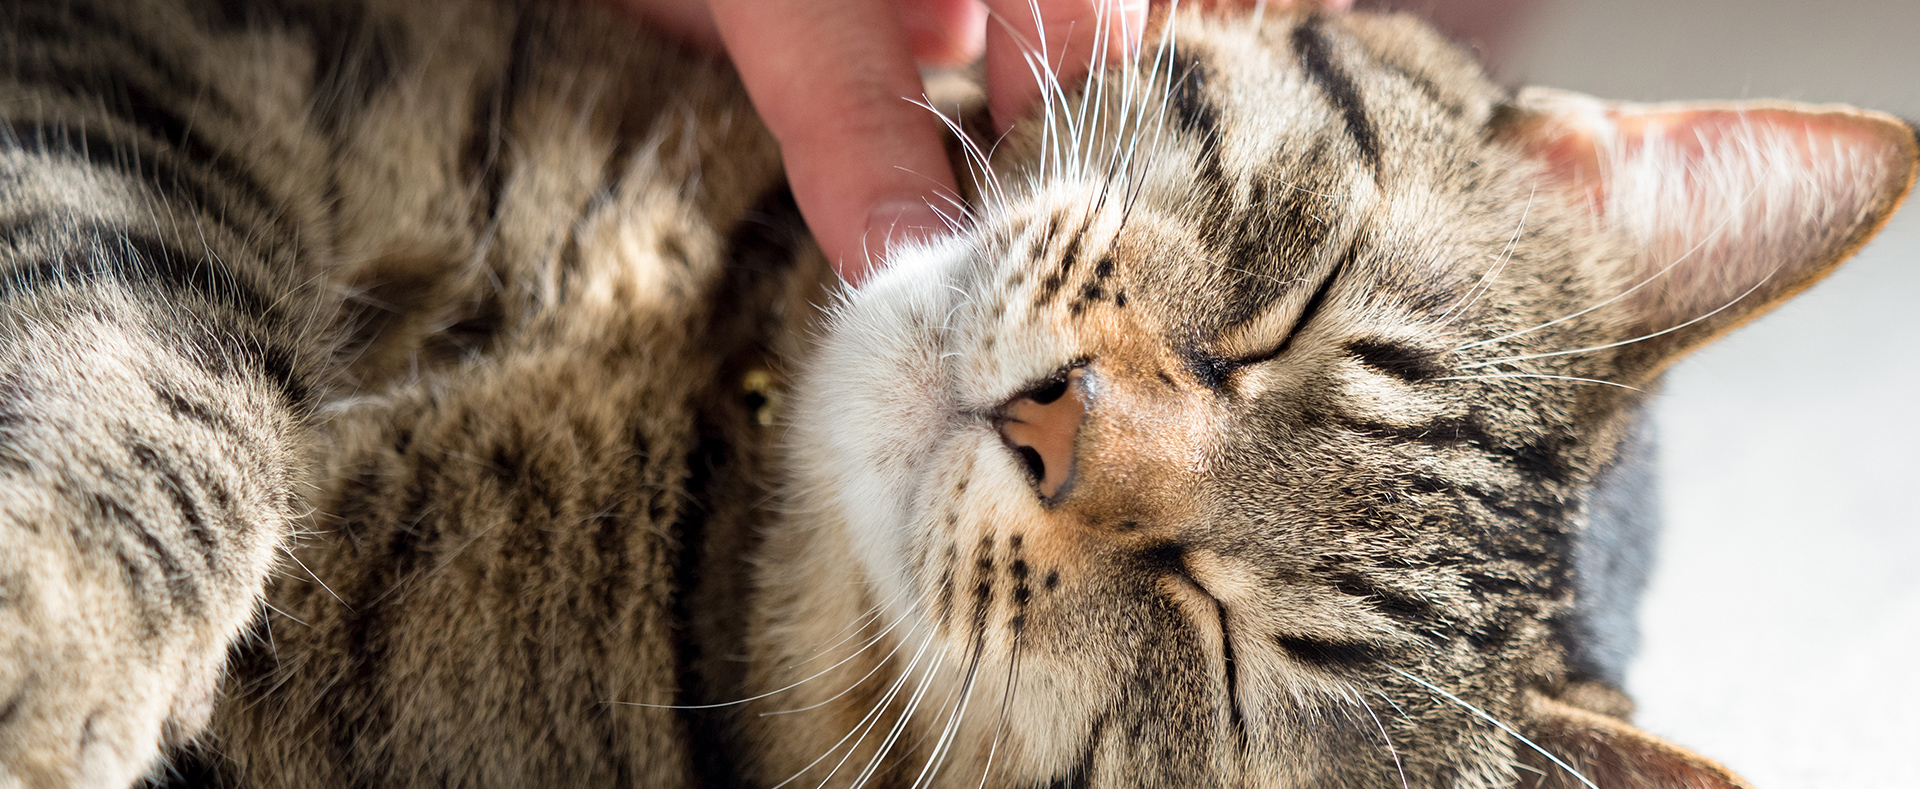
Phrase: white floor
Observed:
(1782, 632)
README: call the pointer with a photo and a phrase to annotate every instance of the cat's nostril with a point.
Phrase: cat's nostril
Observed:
(1030, 457)
(1046, 395)
(1042, 427)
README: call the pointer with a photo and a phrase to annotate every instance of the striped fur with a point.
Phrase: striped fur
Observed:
(388, 397)
(282, 285)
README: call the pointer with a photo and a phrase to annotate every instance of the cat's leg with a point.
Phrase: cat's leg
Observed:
(144, 490)
(152, 369)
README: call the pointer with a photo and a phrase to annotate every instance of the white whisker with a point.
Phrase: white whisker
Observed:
(823, 672)
(1490, 719)
(1006, 704)
(872, 715)
(900, 726)
(1383, 736)
(1536, 375)
(850, 688)
(316, 579)
(1717, 230)
(1641, 338)
(951, 730)
(1493, 273)
(852, 629)
(976, 158)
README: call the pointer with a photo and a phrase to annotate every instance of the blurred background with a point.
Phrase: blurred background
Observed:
(1782, 629)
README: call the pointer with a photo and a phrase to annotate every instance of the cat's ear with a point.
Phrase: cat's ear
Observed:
(1728, 208)
(1611, 754)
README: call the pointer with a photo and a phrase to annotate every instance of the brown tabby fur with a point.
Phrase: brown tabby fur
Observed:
(430, 354)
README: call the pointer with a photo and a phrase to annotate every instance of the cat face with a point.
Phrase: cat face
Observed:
(1247, 435)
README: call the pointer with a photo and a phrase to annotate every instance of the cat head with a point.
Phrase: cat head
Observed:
(1245, 435)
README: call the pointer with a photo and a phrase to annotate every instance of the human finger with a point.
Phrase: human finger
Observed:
(688, 20)
(944, 32)
(831, 80)
(1075, 34)
(1065, 37)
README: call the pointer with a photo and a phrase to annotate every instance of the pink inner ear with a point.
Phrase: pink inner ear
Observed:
(1731, 206)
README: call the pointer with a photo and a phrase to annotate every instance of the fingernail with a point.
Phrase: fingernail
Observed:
(893, 223)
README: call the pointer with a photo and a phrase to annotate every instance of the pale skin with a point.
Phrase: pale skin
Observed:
(833, 79)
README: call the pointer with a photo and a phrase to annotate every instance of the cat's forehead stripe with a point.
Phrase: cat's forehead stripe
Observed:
(1317, 56)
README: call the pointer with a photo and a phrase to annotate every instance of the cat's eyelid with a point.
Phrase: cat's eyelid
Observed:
(1299, 323)
(1406, 359)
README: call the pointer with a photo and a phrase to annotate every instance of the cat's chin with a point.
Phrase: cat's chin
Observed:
(874, 408)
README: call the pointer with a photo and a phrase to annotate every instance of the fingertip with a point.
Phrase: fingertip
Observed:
(945, 32)
(836, 85)
(890, 225)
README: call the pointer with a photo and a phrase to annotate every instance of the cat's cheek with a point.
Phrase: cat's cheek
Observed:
(873, 411)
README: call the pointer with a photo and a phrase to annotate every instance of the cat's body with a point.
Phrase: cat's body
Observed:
(1232, 446)
(454, 213)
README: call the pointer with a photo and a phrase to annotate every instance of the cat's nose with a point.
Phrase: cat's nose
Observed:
(1042, 427)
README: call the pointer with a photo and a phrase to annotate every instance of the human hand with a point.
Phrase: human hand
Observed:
(833, 79)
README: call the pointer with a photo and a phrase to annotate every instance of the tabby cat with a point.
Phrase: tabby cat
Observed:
(438, 394)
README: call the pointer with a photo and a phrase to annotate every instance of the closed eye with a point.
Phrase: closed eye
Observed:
(1400, 360)
(1214, 370)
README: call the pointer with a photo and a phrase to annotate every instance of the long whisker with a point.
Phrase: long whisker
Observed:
(821, 673)
(1006, 705)
(1096, 63)
(1383, 736)
(900, 726)
(1537, 375)
(950, 732)
(861, 682)
(853, 628)
(872, 715)
(1717, 230)
(1641, 338)
(1029, 50)
(975, 156)
(1486, 280)
(1496, 722)
(316, 579)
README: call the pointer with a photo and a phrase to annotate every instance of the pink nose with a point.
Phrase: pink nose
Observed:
(1043, 426)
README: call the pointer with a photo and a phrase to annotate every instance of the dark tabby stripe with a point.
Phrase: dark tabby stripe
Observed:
(1403, 607)
(76, 259)
(181, 586)
(1327, 654)
(486, 143)
(185, 182)
(175, 486)
(354, 57)
(1069, 255)
(1081, 776)
(151, 111)
(1316, 53)
(1236, 716)
(180, 406)
(83, 23)
(1186, 98)
(1539, 458)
